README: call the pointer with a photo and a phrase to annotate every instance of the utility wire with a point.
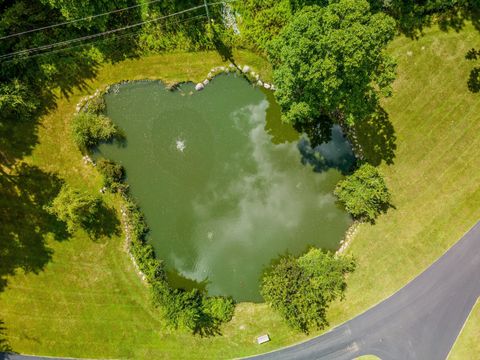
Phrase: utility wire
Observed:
(66, 42)
(94, 42)
(78, 20)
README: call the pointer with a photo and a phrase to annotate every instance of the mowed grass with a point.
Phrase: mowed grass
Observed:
(467, 346)
(435, 178)
(88, 302)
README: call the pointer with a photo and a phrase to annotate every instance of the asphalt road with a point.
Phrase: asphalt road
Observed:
(419, 322)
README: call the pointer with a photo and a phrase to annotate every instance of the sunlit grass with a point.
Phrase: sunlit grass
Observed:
(467, 346)
(435, 176)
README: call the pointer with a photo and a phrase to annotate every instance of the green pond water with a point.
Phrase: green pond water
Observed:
(245, 189)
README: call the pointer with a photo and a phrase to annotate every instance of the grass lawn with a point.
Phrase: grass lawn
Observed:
(435, 177)
(467, 346)
(86, 300)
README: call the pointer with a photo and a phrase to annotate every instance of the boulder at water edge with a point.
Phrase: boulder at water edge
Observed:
(199, 86)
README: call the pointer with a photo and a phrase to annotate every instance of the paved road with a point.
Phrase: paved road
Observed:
(419, 322)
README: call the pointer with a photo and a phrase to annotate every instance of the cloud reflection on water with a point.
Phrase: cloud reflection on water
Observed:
(270, 202)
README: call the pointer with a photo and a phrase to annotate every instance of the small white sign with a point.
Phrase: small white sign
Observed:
(263, 339)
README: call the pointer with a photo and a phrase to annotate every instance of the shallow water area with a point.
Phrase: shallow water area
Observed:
(224, 185)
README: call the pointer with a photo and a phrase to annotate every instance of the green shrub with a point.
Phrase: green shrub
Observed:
(90, 129)
(75, 208)
(301, 289)
(113, 174)
(96, 105)
(364, 193)
(261, 21)
(183, 309)
(219, 308)
(191, 310)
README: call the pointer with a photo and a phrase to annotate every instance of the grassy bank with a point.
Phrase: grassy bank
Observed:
(434, 177)
(86, 301)
(467, 346)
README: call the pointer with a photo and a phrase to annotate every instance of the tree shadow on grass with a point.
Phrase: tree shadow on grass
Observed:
(24, 192)
(104, 224)
(4, 345)
(473, 82)
(207, 327)
(225, 51)
(413, 16)
(376, 137)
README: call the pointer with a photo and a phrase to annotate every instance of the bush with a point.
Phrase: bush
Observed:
(75, 208)
(113, 174)
(183, 309)
(91, 129)
(191, 310)
(302, 289)
(96, 105)
(219, 308)
(364, 193)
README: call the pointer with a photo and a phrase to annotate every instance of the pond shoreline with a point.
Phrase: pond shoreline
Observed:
(83, 105)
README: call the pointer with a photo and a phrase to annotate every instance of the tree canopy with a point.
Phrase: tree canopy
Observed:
(75, 208)
(90, 129)
(302, 289)
(331, 61)
(364, 193)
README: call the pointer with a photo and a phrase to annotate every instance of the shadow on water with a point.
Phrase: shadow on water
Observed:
(178, 281)
(336, 153)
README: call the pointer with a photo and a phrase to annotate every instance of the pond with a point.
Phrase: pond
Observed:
(225, 186)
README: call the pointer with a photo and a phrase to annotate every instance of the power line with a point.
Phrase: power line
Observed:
(66, 42)
(94, 42)
(78, 20)
(87, 37)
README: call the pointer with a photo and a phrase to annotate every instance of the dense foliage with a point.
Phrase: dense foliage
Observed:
(113, 174)
(364, 193)
(331, 62)
(186, 309)
(90, 129)
(301, 289)
(261, 21)
(75, 208)
(413, 15)
(28, 80)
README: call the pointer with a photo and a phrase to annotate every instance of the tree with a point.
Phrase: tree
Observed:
(364, 193)
(15, 100)
(331, 61)
(90, 129)
(262, 20)
(75, 208)
(302, 289)
(113, 174)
